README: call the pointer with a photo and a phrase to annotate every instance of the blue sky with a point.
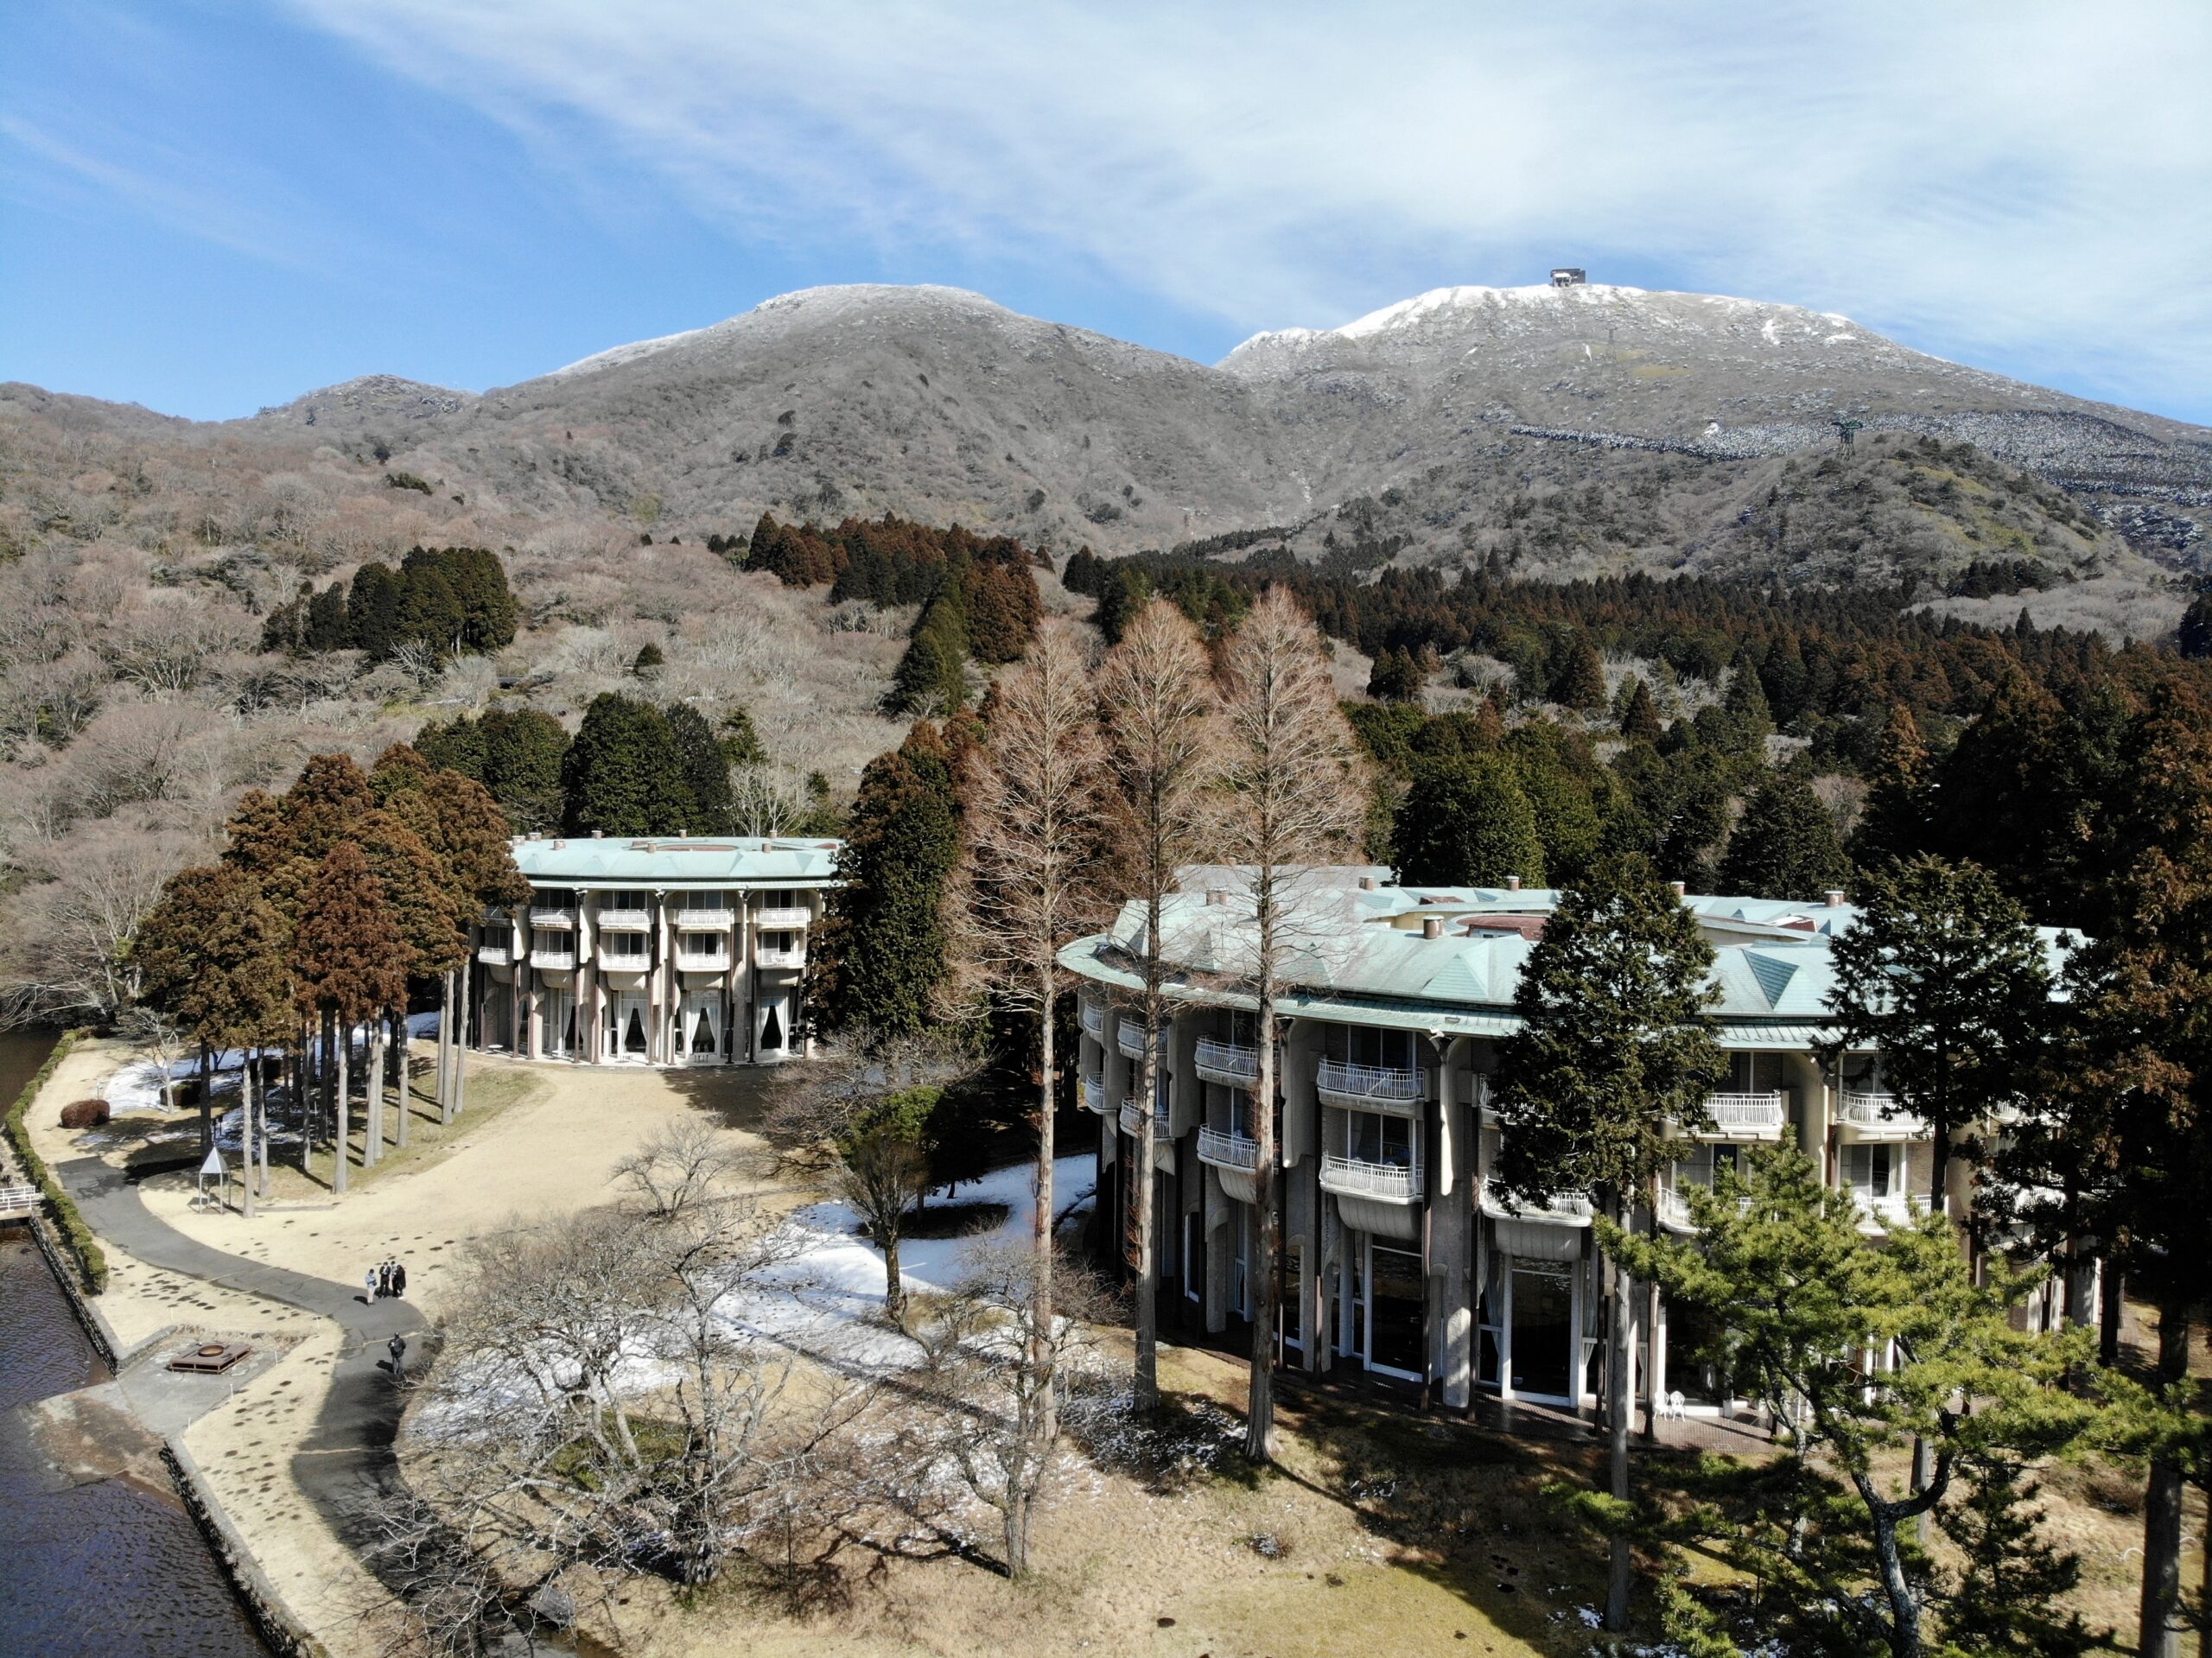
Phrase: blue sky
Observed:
(207, 207)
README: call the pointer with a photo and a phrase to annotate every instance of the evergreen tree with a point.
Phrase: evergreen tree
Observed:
(372, 605)
(1785, 845)
(523, 749)
(1581, 682)
(623, 774)
(1395, 677)
(931, 678)
(1639, 713)
(706, 770)
(347, 966)
(1895, 824)
(1943, 976)
(648, 661)
(1797, 1290)
(1464, 823)
(1614, 1051)
(740, 743)
(879, 959)
(2195, 635)
(328, 626)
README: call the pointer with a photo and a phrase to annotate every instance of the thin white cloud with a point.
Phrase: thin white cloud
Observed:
(2028, 181)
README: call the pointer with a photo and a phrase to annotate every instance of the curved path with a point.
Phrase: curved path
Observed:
(349, 1457)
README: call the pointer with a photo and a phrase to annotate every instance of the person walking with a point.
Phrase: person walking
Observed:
(373, 1280)
(397, 1348)
(400, 1280)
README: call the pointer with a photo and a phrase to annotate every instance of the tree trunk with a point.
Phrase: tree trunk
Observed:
(206, 1101)
(262, 1108)
(1147, 1391)
(1620, 1366)
(1040, 1335)
(894, 1287)
(2112, 1308)
(1651, 1324)
(245, 1131)
(342, 1149)
(2160, 1635)
(1904, 1610)
(458, 1097)
(1259, 1414)
(405, 1042)
(442, 1066)
(373, 1130)
(1017, 1535)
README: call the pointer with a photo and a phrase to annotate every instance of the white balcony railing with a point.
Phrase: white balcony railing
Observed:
(1675, 1208)
(1744, 1116)
(495, 955)
(1129, 1037)
(1873, 1111)
(624, 919)
(1133, 1121)
(1221, 1061)
(1093, 1017)
(623, 961)
(1884, 1213)
(716, 917)
(1394, 1182)
(1094, 1094)
(1560, 1208)
(554, 961)
(701, 961)
(1226, 1149)
(1349, 1083)
(553, 915)
(793, 957)
(783, 918)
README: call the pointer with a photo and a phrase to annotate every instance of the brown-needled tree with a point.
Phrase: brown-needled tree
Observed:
(1163, 758)
(347, 965)
(1293, 795)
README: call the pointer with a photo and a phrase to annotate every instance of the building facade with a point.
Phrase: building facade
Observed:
(658, 952)
(1400, 1258)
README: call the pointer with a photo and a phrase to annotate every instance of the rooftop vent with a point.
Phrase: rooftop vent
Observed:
(1680, 888)
(599, 835)
(1215, 895)
(1513, 883)
(1432, 926)
(1833, 897)
(1367, 883)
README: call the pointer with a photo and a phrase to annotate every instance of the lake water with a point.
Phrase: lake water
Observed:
(107, 1568)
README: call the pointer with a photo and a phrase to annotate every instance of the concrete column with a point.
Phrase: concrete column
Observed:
(1221, 1217)
(1451, 1228)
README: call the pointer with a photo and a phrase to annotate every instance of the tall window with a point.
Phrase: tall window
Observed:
(1362, 1044)
(1868, 1170)
(1372, 1137)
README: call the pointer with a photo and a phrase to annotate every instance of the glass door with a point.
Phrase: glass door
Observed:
(1543, 1329)
(556, 1024)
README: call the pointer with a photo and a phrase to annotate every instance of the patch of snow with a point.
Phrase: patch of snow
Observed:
(1772, 328)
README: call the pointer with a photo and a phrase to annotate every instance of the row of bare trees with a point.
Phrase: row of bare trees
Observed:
(1095, 785)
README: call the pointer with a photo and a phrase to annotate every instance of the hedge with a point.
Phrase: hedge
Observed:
(82, 1243)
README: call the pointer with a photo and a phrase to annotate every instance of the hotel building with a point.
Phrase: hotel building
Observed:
(660, 952)
(1400, 1257)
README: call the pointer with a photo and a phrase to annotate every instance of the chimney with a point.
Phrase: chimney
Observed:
(1215, 895)
(684, 835)
(1513, 883)
(1367, 883)
(1834, 899)
(1681, 888)
(1432, 926)
(599, 835)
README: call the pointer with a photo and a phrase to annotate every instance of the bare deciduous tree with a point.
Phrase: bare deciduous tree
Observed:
(993, 1405)
(686, 1163)
(1031, 882)
(1294, 797)
(1163, 749)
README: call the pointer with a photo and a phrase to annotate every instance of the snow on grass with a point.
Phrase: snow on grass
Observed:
(827, 1299)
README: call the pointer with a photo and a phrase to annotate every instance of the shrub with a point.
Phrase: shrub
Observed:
(80, 1237)
(406, 481)
(84, 1114)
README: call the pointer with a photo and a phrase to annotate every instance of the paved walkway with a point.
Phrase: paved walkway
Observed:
(349, 1457)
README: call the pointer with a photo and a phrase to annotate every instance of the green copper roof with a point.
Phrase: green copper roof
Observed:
(584, 860)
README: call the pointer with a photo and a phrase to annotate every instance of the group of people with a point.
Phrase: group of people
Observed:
(386, 1277)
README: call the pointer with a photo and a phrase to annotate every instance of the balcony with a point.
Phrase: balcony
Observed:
(791, 957)
(1227, 1149)
(1093, 1015)
(1094, 1094)
(1129, 1037)
(554, 915)
(1882, 1214)
(1234, 1063)
(1560, 1208)
(554, 961)
(1744, 1116)
(1353, 1177)
(1372, 1087)
(713, 918)
(783, 919)
(496, 954)
(617, 959)
(1868, 1117)
(1132, 1122)
(625, 920)
(1675, 1208)
(697, 958)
